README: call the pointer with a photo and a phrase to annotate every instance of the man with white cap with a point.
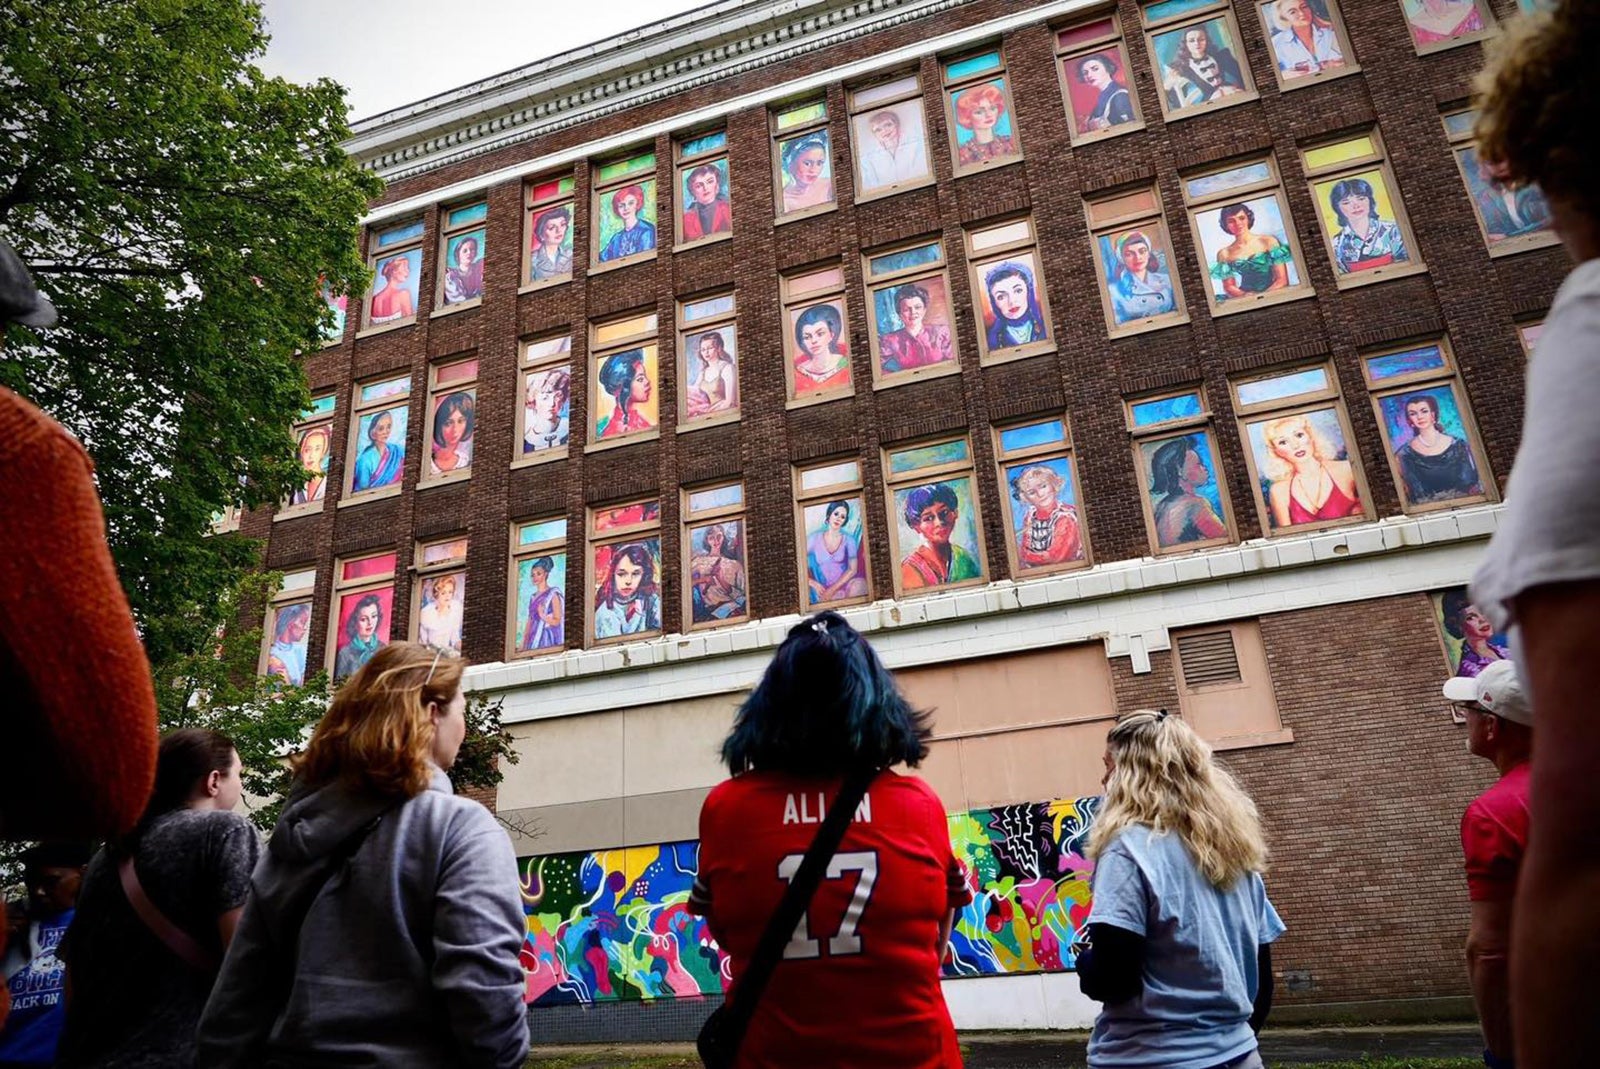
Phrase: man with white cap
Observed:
(1494, 837)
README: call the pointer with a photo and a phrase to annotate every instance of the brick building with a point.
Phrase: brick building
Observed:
(1284, 597)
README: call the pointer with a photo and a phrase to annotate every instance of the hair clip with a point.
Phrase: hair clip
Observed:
(437, 653)
(1161, 714)
(819, 626)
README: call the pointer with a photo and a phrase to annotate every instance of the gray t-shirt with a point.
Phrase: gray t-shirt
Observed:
(1201, 946)
(134, 1002)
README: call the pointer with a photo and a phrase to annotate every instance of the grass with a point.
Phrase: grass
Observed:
(607, 1059)
(1399, 1063)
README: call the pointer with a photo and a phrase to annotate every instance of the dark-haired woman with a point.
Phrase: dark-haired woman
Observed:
(1365, 239)
(1470, 625)
(1114, 105)
(821, 361)
(918, 343)
(1176, 472)
(135, 1001)
(625, 377)
(859, 984)
(1251, 263)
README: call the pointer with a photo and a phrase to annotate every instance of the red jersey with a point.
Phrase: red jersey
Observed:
(1494, 836)
(859, 982)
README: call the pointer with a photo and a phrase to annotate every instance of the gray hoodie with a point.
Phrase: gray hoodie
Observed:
(408, 956)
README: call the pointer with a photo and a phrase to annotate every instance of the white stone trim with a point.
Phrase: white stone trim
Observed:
(1034, 1001)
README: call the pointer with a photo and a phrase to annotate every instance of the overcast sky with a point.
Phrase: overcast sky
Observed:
(400, 52)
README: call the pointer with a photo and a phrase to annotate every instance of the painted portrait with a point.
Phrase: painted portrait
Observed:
(363, 628)
(380, 449)
(1185, 497)
(821, 348)
(1098, 92)
(1303, 467)
(938, 531)
(807, 171)
(550, 237)
(1436, 23)
(891, 147)
(1136, 271)
(628, 221)
(627, 595)
(463, 272)
(717, 572)
(711, 372)
(1043, 499)
(547, 409)
(1503, 212)
(541, 606)
(836, 558)
(1245, 248)
(333, 329)
(452, 426)
(1424, 431)
(703, 195)
(394, 288)
(444, 599)
(624, 389)
(1471, 642)
(1358, 215)
(1303, 37)
(984, 127)
(914, 327)
(1199, 65)
(290, 630)
(314, 447)
(1010, 306)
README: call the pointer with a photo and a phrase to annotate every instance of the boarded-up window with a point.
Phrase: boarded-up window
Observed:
(1224, 688)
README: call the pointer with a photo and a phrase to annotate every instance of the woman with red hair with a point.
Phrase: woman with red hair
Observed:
(979, 111)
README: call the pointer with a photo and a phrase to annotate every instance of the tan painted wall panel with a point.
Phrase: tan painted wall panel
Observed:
(566, 759)
(1023, 766)
(1067, 682)
(674, 746)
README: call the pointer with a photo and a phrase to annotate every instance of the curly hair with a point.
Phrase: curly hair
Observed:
(988, 93)
(1274, 467)
(924, 496)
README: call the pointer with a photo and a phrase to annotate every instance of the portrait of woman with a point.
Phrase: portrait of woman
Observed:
(453, 424)
(706, 210)
(933, 514)
(1137, 283)
(1304, 41)
(629, 393)
(807, 171)
(443, 604)
(1198, 65)
(835, 569)
(315, 445)
(890, 147)
(908, 336)
(627, 232)
(1305, 474)
(1100, 100)
(1435, 465)
(539, 585)
(333, 330)
(1186, 503)
(286, 657)
(628, 601)
(395, 297)
(713, 380)
(1473, 633)
(362, 632)
(821, 351)
(1251, 261)
(380, 460)
(1504, 212)
(552, 245)
(983, 124)
(716, 572)
(1364, 239)
(463, 279)
(1435, 22)
(1012, 314)
(546, 421)
(1047, 528)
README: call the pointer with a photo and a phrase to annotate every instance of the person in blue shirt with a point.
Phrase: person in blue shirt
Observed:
(636, 235)
(35, 977)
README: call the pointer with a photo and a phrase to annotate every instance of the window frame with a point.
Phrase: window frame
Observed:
(596, 539)
(423, 570)
(1242, 193)
(320, 416)
(779, 134)
(384, 402)
(449, 231)
(1355, 167)
(520, 552)
(941, 472)
(893, 279)
(1491, 27)
(297, 587)
(1526, 327)
(343, 588)
(823, 494)
(645, 338)
(690, 520)
(1115, 222)
(538, 198)
(1462, 142)
(647, 179)
(1323, 75)
(1201, 422)
(1178, 23)
(992, 255)
(793, 301)
(1075, 53)
(436, 392)
(951, 86)
(1063, 449)
(725, 322)
(686, 163)
(404, 245)
(854, 108)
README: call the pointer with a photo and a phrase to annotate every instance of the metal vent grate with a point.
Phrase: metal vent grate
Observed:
(1208, 659)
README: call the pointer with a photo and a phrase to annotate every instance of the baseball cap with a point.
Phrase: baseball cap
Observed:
(1496, 689)
(20, 301)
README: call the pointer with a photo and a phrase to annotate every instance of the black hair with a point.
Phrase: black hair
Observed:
(923, 496)
(826, 704)
(547, 563)
(819, 313)
(1423, 399)
(1231, 210)
(366, 599)
(549, 215)
(1453, 610)
(1102, 58)
(456, 402)
(183, 758)
(1166, 467)
(1344, 188)
(909, 292)
(832, 505)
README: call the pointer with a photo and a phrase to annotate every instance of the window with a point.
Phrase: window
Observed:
(704, 211)
(1045, 530)
(911, 321)
(1428, 433)
(1435, 27)
(802, 160)
(377, 439)
(1511, 220)
(1528, 336)
(547, 224)
(935, 531)
(708, 359)
(1245, 237)
(831, 526)
(1139, 288)
(625, 570)
(889, 138)
(1182, 490)
(439, 595)
(816, 334)
(287, 633)
(716, 561)
(452, 419)
(1224, 687)
(624, 402)
(332, 331)
(395, 256)
(313, 437)
(226, 521)
(363, 607)
(978, 112)
(1013, 306)
(1363, 219)
(461, 251)
(1198, 56)
(1301, 454)
(622, 217)
(1096, 85)
(538, 584)
(544, 418)
(1307, 39)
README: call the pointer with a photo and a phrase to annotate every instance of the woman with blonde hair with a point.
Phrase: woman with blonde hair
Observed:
(384, 923)
(1309, 483)
(1181, 924)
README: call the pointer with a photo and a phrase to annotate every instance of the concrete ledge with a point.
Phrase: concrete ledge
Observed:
(1373, 1011)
